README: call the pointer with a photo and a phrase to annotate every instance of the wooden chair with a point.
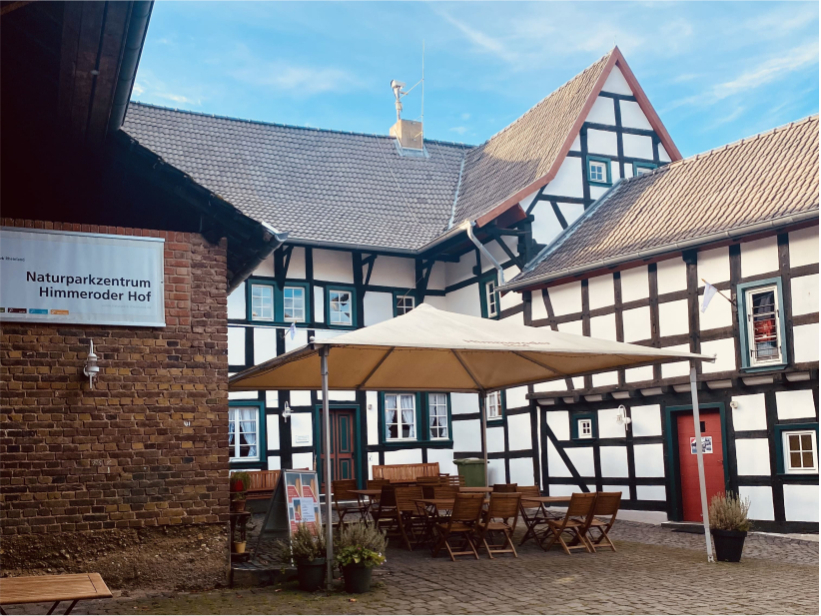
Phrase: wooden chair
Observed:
(467, 508)
(342, 493)
(607, 504)
(448, 492)
(576, 521)
(385, 508)
(504, 505)
(505, 487)
(408, 514)
(454, 480)
(533, 517)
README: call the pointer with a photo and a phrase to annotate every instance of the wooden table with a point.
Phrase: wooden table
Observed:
(48, 588)
(547, 500)
(371, 493)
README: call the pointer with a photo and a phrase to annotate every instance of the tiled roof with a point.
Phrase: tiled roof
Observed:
(526, 150)
(318, 185)
(766, 178)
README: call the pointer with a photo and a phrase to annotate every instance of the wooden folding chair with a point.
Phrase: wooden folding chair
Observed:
(467, 508)
(408, 514)
(342, 493)
(505, 487)
(533, 517)
(576, 521)
(504, 505)
(607, 504)
(385, 509)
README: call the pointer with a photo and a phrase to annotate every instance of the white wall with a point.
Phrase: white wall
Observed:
(632, 116)
(649, 460)
(761, 501)
(804, 246)
(393, 272)
(804, 294)
(568, 179)
(801, 503)
(752, 456)
(635, 284)
(602, 112)
(600, 291)
(566, 298)
(378, 307)
(333, 265)
(236, 346)
(672, 275)
(795, 404)
(616, 83)
(236, 303)
(613, 461)
(465, 300)
(759, 257)
(296, 268)
(646, 420)
(751, 412)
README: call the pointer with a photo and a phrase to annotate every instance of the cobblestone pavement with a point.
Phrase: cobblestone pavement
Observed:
(655, 571)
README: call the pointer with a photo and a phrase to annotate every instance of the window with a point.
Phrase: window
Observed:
(404, 304)
(293, 304)
(400, 416)
(491, 299)
(585, 428)
(598, 170)
(262, 302)
(642, 168)
(438, 414)
(341, 307)
(763, 325)
(243, 434)
(493, 405)
(800, 451)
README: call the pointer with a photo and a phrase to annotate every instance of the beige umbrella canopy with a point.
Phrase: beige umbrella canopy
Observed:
(433, 350)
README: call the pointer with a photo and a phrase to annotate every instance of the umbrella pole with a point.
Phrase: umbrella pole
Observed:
(326, 428)
(705, 512)
(482, 399)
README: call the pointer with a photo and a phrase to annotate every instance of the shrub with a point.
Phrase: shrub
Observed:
(729, 513)
(305, 544)
(360, 544)
(240, 481)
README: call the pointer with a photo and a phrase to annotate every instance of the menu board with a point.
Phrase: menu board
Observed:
(295, 501)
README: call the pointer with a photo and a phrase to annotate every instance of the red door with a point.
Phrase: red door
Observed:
(688, 462)
(342, 446)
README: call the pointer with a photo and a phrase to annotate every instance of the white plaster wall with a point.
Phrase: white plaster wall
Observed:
(724, 350)
(613, 461)
(378, 307)
(466, 301)
(637, 375)
(663, 155)
(300, 398)
(801, 503)
(266, 268)
(301, 430)
(616, 83)
(563, 490)
(632, 116)
(511, 298)
(272, 431)
(521, 471)
(714, 265)
(461, 270)
(274, 463)
(498, 252)
(467, 435)
(445, 459)
(597, 192)
(272, 399)
(300, 338)
(672, 275)
(608, 426)
(495, 439)
(296, 268)
(555, 465)
(759, 257)
(751, 412)
(646, 420)
(602, 379)
(496, 471)
(265, 344)
(638, 146)
(319, 304)
(403, 456)
(603, 327)
(437, 301)
(673, 318)
(602, 142)
(545, 226)
(242, 395)
(805, 342)
(577, 144)
(527, 201)
(654, 493)
(636, 324)
(761, 501)
(555, 385)
(718, 314)
(372, 401)
(518, 431)
(559, 422)
(625, 490)
(236, 303)
(303, 460)
(236, 346)
(602, 112)
(333, 265)
(462, 404)
(393, 272)
(794, 404)
(516, 397)
(635, 284)
(752, 456)
(582, 459)
(649, 460)
(568, 180)
(537, 307)
(600, 291)
(566, 298)
(438, 276)
(804, 246)
(804, 294)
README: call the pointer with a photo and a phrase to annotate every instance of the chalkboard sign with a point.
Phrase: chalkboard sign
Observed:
(295, 501)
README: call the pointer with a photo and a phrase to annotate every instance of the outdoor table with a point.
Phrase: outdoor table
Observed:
(468, 490)
(371, 493)
(541, 501)
(57, 588)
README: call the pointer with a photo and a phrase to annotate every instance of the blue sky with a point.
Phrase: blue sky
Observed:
(715, 72)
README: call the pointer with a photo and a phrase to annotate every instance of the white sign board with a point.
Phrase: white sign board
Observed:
(706, 445)
(63, 277)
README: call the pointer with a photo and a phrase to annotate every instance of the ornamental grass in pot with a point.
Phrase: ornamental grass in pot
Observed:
(307, 550)
(239, 484)
(729, 525)
(359, 548)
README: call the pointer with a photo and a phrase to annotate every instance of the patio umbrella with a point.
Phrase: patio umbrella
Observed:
(434, 350)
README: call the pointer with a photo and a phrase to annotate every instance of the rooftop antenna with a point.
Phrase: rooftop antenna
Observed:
(397, 86)
(423, 90)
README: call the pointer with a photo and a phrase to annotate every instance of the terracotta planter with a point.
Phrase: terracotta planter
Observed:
(239, 547)
(311, 574)
(238, 506)
(729, 544)
(357, 578)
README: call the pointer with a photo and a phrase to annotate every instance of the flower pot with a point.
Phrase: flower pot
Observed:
(238, 506)
(357, 578)
(729, 544)
(310, 574)
(239, 547)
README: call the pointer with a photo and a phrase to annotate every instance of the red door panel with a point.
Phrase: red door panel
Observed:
(342, 446)
(688, 462)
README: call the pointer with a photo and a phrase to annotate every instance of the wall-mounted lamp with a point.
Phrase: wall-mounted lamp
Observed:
(286, 411)
(622, 417)
(91, 369)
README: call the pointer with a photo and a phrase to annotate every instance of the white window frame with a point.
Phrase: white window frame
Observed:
(262, 316)
(585, 422)
(788, 468)
(590, 164)
(751, 347)
(234, 417)
(493, 405)
(402, 304)
(491, 299)
(399, 423)
(293, 300)
(438, 409)
(332, 312)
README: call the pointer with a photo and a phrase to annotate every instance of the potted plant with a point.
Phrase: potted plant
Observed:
(240, 482)
(307, 550)
(359, 547)
(729, 525)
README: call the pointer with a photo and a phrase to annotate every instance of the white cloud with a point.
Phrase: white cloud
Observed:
(480, 39)
(137, 89)
(459, 129)
(466, 116)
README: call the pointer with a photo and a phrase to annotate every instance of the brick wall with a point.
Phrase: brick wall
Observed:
(148, 445)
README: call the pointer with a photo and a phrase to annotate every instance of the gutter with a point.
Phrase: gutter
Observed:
(468, 227)
(137, 30)
(271, 239)
(673, 247)
(458, 186)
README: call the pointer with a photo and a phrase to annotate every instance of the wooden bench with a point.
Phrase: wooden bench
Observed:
(263, 484)
(405, 472)
(56, 588)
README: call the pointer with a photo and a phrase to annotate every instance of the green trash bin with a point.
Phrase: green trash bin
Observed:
(473, 470)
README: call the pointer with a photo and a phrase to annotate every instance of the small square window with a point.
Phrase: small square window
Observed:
(493, 405)
(492, 298)
(341, 307)
(585, 428)
(293, 304)
(404, 304)
(262, 302)
(598, 171)
(763, 325)
(800, 451)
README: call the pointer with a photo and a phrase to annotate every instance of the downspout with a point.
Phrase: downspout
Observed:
(468, 227)
(137, 29)
(272, 239)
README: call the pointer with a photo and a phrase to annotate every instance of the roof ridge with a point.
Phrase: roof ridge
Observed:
(279, 125)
